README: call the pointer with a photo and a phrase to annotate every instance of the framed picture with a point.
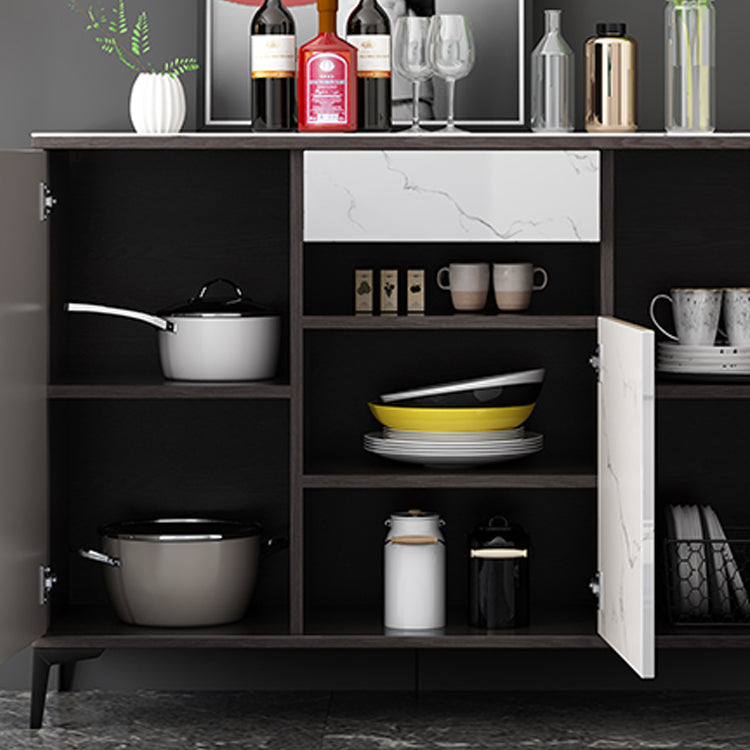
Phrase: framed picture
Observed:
(492, 95)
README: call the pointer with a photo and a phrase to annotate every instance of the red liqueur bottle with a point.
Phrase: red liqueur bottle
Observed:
(327, 78)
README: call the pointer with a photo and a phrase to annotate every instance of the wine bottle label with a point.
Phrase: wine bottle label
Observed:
(327, 89)
(273, 56)
(373, 54)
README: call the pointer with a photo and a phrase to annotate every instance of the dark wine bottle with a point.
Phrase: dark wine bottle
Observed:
(369, 30)
(273, 58)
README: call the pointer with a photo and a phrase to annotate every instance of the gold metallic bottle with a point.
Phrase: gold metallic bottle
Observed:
(611, 80)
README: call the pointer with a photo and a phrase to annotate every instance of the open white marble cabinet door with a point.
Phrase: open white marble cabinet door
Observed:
(24, 512)
(625, 539)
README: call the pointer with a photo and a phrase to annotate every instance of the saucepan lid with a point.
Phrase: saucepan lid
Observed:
(180, 530)
(204, 305)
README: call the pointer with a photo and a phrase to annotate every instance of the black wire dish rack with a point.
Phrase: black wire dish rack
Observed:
(708, 580)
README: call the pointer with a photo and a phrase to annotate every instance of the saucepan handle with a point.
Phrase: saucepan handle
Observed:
(153, 320)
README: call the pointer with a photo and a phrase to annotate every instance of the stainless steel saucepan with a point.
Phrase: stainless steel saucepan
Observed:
(210, 339)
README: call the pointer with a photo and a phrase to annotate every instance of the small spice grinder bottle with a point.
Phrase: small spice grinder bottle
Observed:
(611, 80)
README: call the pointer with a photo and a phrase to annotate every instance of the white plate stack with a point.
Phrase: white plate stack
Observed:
(707, 583)
(453, 450)
(680, 359)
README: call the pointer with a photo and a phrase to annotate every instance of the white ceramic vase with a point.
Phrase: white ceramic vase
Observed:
(157, 103)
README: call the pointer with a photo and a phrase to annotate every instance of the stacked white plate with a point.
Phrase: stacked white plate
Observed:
(451, 449)
(454, 437)
(706, 577)
(682, 359)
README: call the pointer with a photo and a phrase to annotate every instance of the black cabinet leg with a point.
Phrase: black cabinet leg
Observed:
(39, 680)
(43, 659)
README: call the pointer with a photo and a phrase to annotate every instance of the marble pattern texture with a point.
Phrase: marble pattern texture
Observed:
(625, 539)
(150, 720)
(451, 196)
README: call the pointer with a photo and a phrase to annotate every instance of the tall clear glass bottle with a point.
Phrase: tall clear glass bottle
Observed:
(552, 92)
(690, 29)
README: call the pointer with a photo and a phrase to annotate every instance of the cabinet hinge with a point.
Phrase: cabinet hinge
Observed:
(595, 360)
(596, 584)
(47, 579)
(47, 201)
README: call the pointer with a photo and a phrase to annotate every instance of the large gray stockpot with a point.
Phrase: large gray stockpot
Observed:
(181, 572)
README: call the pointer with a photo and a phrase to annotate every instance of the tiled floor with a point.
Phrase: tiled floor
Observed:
(376, 721)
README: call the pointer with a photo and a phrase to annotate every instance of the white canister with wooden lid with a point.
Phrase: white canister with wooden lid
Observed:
(414, 571)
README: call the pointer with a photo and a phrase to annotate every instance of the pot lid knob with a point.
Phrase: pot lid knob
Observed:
(237, 291)
(203, 304)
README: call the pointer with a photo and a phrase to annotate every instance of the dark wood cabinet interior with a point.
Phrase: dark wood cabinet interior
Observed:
(145, 230)
(329, 270)
(144, 227)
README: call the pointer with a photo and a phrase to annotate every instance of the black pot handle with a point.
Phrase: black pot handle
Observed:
(273, 545)
(237, 291)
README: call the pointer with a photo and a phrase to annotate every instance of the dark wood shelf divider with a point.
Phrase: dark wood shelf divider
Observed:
(89, 627)
(449, 322)
(97, 627)
(362, 142)
(702, 390)
(169, 390)
(426, 479)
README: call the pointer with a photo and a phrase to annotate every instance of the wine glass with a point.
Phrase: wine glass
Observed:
(450, 49)
(410, 59)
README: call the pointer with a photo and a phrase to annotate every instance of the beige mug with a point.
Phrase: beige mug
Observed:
(514, 283)
(468, 283)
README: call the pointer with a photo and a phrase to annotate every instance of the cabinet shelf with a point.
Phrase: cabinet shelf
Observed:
(534, 473)
(442, 322)
(705, 637)
(727, 390)
(97, 627)
(165, 389)
(365, 629)
(362, 142)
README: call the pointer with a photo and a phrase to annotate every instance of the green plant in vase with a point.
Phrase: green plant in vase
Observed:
(130, 45)
(157, 99)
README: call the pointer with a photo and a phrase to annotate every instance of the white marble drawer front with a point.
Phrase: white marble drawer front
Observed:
(452, 196)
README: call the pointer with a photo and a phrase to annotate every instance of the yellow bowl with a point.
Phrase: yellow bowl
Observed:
(421, 419)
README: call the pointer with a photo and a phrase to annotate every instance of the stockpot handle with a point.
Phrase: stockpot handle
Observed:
(272, 545)
(499, 553)
(153, 320)
(100, 557)
(414, 539)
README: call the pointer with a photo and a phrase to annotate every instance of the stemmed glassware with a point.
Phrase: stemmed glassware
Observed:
(410, 59)
(451, 54)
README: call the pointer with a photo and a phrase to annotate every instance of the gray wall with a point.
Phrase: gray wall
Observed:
(54, 78)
